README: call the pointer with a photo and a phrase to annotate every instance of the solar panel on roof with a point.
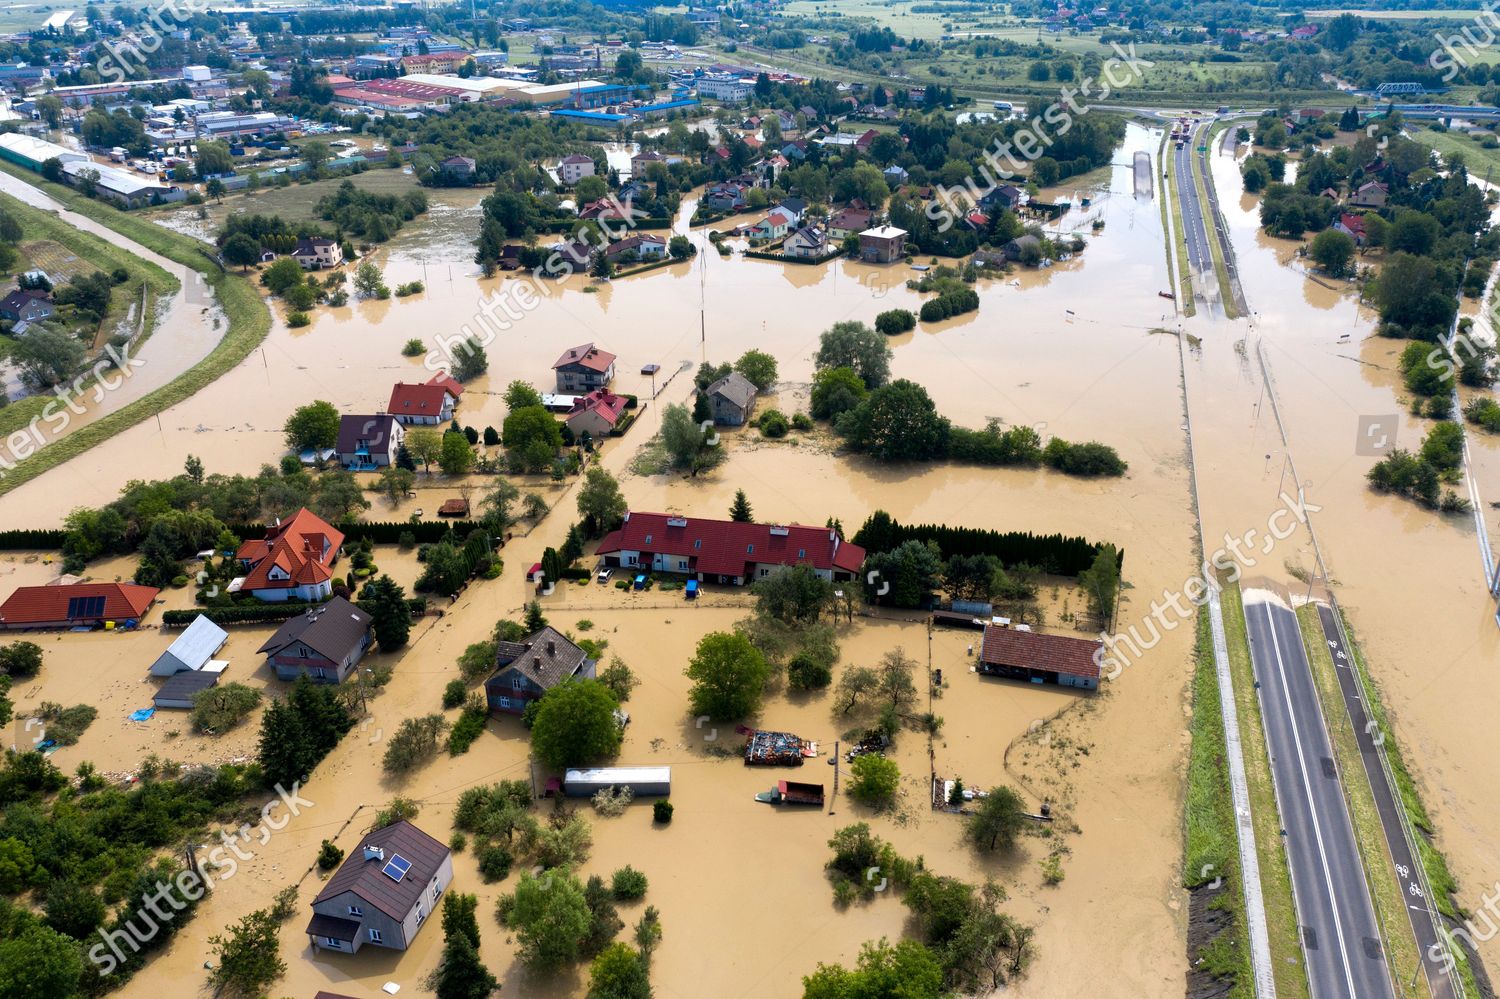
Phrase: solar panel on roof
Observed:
(85, 607)
(396, 867)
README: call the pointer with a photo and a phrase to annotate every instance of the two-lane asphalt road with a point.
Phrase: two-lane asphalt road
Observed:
(1340, 935)
(1193, 227)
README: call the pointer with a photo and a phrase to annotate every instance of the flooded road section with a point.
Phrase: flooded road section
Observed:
(1409, 579)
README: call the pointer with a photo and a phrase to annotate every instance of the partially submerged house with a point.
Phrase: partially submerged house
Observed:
(383, 893)
(882, 244)
(181, 691)
(527, 669)
(731, 398)
(809, 242)
(367, 443)
(1018, 653)
(726, 551)
(318, 253)
(584, 368)
(426, 404)
(595, 414)
(325, 642)
(294, 561)
(193, 649)
(76, 605)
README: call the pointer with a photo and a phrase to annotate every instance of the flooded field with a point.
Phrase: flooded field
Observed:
(1071, 350)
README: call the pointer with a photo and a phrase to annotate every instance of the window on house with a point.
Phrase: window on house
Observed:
(302, 651)
(334, 944)
(355, 910)
(698, 543)
(504, 702)
(749, 549)
(648, 539)
(374, 936)
(802, 553)
(517, 683)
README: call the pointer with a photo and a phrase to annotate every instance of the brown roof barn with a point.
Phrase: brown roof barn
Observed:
(1029, 655)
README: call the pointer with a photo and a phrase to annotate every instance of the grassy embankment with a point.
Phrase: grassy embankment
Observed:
(1210, 850)
(1433, 862)
(248, 316)
(1275, 874)
(1390, 905)
(46, 242)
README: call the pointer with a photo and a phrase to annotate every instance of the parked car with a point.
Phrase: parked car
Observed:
(604, 574)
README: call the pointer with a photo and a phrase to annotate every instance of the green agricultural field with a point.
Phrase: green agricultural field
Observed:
(296, 203)
(1479, 161)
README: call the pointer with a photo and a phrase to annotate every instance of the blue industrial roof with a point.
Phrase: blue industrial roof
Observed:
(598, 117)
(664, 106)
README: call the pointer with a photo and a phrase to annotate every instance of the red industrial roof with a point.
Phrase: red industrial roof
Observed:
(1034, 650)
(586, 356)
(418, 400)
(303, 546)
(725, 547)
(36, 605)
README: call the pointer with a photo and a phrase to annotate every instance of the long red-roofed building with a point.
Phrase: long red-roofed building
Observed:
(77, 605)
(293, 561)
(726, 551)
(1022, 654)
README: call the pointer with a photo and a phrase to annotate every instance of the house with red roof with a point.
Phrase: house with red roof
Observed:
(423, 405)
(583, 369)
(1018, 653)
(294, 561)
(726, 551)
(1353, 226)
(773, 226)
(77, 605)
(595, 414)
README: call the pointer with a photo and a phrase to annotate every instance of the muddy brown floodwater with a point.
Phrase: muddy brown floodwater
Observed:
(1070, 350)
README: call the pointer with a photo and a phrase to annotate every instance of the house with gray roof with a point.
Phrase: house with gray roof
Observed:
(367, 443)
(731, 398)
(527, 669)
(325, 642)
(381, 895)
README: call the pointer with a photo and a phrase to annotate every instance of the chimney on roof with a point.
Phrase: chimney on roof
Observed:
(374, 853)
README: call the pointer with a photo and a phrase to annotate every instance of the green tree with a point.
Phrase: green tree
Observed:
(314, 426)
(241, 249)
(1101, 582)
(792, 594)
(874, 780)
(39, 963)
(249, 958)
(461, 974)
(908, 970)
(369, 282)
(457, 456)
(550, 917)
(619, 973)
(385, 601)
(682, 438)
(600, 501)
(729, 676)
(1332, 250)
(575, 724)
(459, 916)
(740, 511)
(758, 367)
(895, 321)
(854, 345)
(533, 437)
(425, 445)
(285, 273)
(905, 575)
(836, 391)
(395, 483)
(520, 395)
(470, 360)
(999, 819)
(21, 659)
(219, 708)
(898, 422)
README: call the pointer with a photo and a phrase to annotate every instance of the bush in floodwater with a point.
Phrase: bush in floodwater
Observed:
(661, 812)
(329, 856)
(296, 320)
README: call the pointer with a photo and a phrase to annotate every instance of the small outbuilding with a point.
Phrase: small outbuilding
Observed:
(179, 691)
(192, 650)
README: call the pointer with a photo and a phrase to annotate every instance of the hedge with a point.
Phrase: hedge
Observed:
(782, 257)
(258, 613)
(1053, 553)
(32, 539)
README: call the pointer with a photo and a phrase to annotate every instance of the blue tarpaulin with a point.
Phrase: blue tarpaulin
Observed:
(144, 714)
